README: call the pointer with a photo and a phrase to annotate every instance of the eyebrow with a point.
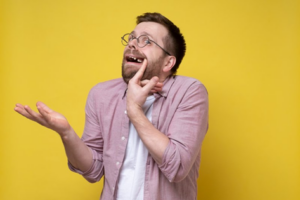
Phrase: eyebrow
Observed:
(143, 33)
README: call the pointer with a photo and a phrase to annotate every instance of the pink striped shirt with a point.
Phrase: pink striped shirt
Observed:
(180, 111)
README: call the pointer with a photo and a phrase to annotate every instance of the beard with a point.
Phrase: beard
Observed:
(153, 67)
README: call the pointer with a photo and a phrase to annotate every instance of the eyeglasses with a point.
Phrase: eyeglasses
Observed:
(142, 41)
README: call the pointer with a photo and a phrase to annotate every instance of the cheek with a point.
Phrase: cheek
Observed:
(125, 49)
(150, 55)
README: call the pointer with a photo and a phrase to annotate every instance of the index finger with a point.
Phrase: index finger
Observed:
(140, 72)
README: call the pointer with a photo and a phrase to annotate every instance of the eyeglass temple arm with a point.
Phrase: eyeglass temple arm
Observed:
(161, 47)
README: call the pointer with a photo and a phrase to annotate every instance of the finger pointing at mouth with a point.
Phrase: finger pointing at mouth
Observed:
(138, 76)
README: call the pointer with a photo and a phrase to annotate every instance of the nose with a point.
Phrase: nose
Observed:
(133, 44)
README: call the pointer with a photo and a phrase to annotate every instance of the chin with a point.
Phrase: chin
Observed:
(127, 75)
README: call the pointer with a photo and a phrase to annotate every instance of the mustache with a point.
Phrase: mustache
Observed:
(135, 53)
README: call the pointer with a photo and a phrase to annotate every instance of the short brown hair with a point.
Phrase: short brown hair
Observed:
(174, 42)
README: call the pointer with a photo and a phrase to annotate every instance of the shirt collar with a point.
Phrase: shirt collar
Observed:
(166, 86)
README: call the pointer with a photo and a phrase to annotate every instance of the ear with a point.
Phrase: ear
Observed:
(169, 63)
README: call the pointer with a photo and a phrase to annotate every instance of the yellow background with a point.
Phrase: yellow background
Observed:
(245, 52)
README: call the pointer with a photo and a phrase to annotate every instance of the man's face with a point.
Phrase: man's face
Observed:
(154, 55)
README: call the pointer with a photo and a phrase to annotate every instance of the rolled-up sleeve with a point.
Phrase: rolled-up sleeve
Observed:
(92, 137)
(186, 132)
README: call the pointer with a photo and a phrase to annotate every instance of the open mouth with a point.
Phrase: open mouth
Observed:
(134, 59)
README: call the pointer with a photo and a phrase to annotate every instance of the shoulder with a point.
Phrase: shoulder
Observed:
(110, 86)
(115, 83)
(189, 92)
(181, 88)
(108, 89)
(186, 80)
(186, 83)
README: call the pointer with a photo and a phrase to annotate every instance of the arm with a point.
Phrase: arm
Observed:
(77, 152)
(186, 132)
(155, 141)
(176, 150)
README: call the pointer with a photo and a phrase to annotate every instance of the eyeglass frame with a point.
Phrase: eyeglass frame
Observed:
(137, 39)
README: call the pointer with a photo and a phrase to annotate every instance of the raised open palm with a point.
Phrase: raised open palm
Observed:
(45, 117)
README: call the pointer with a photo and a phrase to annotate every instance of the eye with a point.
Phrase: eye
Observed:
(144, 40)
(130, 38)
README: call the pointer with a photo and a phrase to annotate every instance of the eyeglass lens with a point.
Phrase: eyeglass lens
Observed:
(142, 40)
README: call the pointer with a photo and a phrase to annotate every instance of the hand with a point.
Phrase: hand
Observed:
(157, 87)
(138, 90)
(46, 117)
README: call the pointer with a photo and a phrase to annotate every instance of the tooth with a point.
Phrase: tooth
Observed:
(139, 60)
(134, 58)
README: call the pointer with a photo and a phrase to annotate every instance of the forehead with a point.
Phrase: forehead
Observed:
(153, 29)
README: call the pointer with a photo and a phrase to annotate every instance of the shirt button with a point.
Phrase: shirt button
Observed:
(123, 138)
(125, 112)
(113, 188)
(117, 163)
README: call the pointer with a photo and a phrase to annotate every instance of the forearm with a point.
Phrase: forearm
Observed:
(155, 141)
(77, 152)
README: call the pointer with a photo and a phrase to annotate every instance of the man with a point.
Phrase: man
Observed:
(142, 133)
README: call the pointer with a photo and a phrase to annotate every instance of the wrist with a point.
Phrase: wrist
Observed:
(133, 111)
(66, 134)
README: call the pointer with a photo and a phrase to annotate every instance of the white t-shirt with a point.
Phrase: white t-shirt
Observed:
(132, 175)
